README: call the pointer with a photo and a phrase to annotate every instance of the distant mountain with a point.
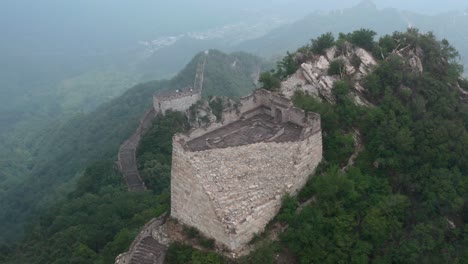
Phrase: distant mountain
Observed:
(452, 26)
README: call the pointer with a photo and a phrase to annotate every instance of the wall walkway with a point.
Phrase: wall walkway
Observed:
(127, 154)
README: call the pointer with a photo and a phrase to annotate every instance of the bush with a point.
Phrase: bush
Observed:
(207, 243)
(178, 253)
(216, 106)
(288, 208)
(363, 38)
(387, 44)
(355, 61)
(337, 67)
(269, 81)
(191, 232)
(264, 254)
(287, 66)
(320, 44)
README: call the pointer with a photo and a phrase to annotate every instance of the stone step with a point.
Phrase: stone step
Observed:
(149, 251)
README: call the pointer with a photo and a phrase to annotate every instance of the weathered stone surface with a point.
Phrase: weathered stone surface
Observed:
(313, 78)
(200, 114)
(179, 101)
(416, 64)
(230, 193)
(367, 63)
(297, 82)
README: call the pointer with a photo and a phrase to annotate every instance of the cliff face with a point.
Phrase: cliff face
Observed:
(313, 76)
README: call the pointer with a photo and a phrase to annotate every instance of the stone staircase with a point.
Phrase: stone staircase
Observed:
(150, 246)
(149, 251)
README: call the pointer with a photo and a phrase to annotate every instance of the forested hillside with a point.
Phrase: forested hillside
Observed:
(65, 149)
(392, 187)
(403, 199)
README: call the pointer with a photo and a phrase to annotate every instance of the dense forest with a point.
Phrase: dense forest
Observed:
(403, 201)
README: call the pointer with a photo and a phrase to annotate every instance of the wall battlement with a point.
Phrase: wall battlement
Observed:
(227, 179)
(175, 101)
(182, 99)
(171, 95)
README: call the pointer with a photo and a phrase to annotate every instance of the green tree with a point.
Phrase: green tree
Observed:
(269, 81)
(320, 44)
(363, 38)
(337, 67)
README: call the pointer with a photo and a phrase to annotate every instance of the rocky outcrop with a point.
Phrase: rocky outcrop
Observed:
(200, 114)
(313, 78)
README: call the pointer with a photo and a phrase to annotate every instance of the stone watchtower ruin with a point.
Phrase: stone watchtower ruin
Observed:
(228, 179)
(182, 99)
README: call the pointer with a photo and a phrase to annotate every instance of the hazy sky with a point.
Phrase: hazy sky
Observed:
(105, 22)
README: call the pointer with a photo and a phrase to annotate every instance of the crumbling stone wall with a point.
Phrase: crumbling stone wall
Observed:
(207, 187)
(231, 193)
(178, 102)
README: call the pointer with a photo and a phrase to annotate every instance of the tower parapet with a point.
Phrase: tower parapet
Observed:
(182, 99)
(179, 100)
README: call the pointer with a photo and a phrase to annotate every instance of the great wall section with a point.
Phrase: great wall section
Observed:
(126, 162)
(182, 99)
(174, 100)
(151, 244)
(228, 177)
(149, 247)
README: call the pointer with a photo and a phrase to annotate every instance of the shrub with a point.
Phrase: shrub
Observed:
(216, 106)
(287, 66)
(337, 67)
(320, 44)
(269, 81)
(363, 38)
(191, 232)
(264, 254)
(207, 242)
(355, 61)
(288, 208)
